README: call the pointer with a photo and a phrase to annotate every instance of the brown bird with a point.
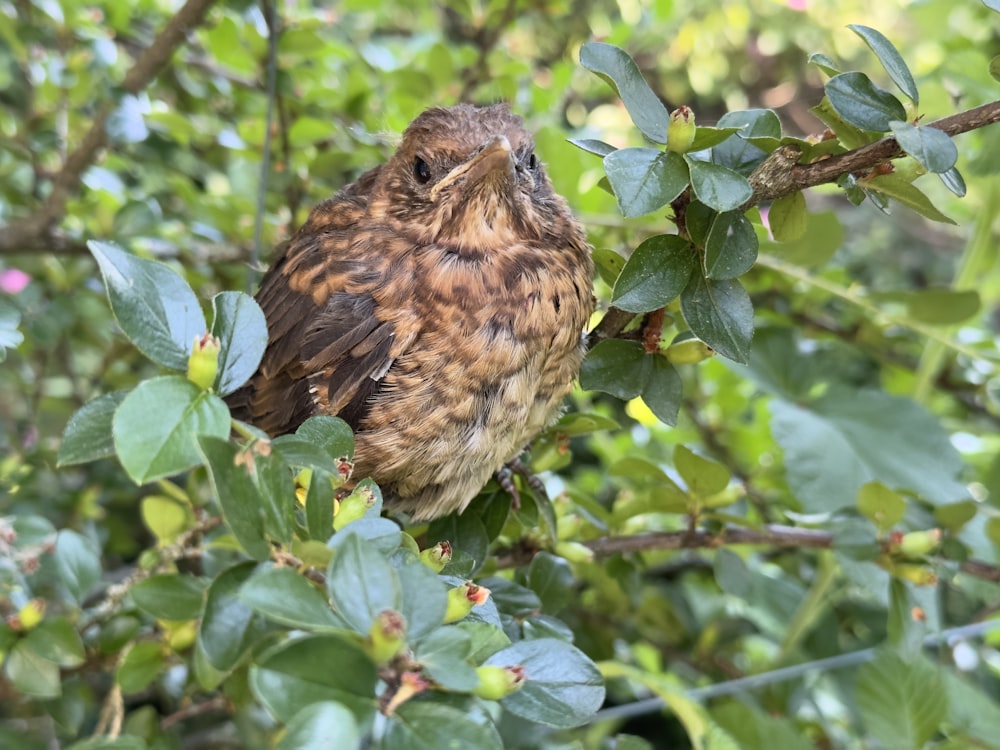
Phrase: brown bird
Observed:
(437, 304)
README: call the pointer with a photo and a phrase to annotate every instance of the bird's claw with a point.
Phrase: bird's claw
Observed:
(505, 477)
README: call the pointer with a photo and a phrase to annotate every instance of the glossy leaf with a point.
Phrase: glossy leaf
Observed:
(720, 314)
(835, 444)
(424, 725)
(333, 434)
(731, 246)
(465, 532)
(933, 148)
(890, 58)
(863, 104)
(592, 146)
(740, 154)
(954, 181)
(151, 449)
(663, 390)
(551, 578)
(170, 596)
(321, 726)
(154, 306)
(563, 687)
(645, 179)
(718, 187)
(617, 367)
(238, 497)
(902, 703)
(361, 584)
(239, 325)
(88, 434)
(655, 273)
(229, 625)
(285, 596)
(618, 69)
(424, 599)
(313, 669)
(444, 656)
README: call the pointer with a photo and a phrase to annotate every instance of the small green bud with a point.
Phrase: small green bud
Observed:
(462, 599)
(203, 363)
(498, 682)
(681, 130)
(386, 637)
(353, 507)
(437, 557)
(919, 543)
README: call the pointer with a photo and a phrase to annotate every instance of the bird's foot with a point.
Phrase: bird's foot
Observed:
(505, 477)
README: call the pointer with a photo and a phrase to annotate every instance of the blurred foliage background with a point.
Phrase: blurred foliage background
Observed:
(180, 181)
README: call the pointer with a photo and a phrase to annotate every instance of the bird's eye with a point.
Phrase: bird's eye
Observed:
(532, 162)
(421, 171)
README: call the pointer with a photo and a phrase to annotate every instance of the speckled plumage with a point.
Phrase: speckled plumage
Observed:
(440, 317)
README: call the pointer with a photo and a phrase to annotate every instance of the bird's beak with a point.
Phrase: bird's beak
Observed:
(494, 158)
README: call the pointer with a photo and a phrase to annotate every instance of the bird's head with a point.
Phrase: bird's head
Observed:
(468, 177)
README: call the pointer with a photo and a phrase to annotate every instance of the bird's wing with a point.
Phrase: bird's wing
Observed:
(327, 350)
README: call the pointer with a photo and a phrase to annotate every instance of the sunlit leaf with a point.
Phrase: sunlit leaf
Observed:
(616, 67)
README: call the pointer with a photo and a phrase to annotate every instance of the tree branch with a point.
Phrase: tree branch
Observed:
(37, 231)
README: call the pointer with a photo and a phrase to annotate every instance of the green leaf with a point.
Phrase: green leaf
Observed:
(304, 454)
(880, 505)
(592, 146)
(30, 673)
(863, 104)
(239, 499)
(319, 506)
(444, 656)
(846, 438)
(609, 264)
(425, 725)
(170, 596)
(890, 58)
(229, 626)
(550, 577)
(361, 584)
(824, 63)
(563, 687)
(906, 193)
(88, 434)
(321, 726)
(933, 148)
(583, 423)
(970, 709)
(78, 561)
(731, 246)
(709, 137)
(954, 181)
(142, 664)
(720, 314)
(166, 517)
(902, 703)
(994, 67)
(617, 367)
(849, 135)
(56, 640)
(240, 326)
(424, 599)
(151, 449)
(656, 272)
(313, 669)
(718, 187)
(465, 532)
(664, 390)
(619, 70)
(153, 305)
(823, 237)
(740, 154)
(703, 476)
(645, 179)
(282, 595)
(789, 218)
(333, 434)
(955, 515)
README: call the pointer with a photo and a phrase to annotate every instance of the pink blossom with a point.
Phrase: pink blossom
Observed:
(13, 281)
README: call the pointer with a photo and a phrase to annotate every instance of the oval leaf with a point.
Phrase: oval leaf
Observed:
(617, 367)
(361, 583)
(423, 725)
(890, 58)
(616, 67)
(240, 326)
(151, 449)
(655, 273)
(239, 499)
(563, 687)
(284, 596)
(154, 306)
(788, 218)
(88, 435)
(731, 246)
(718, 187)
(720, 314)
(644, 179)
(321, 726)
(933, 148)
(229, 626)
(863, 104)
(170, 596)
